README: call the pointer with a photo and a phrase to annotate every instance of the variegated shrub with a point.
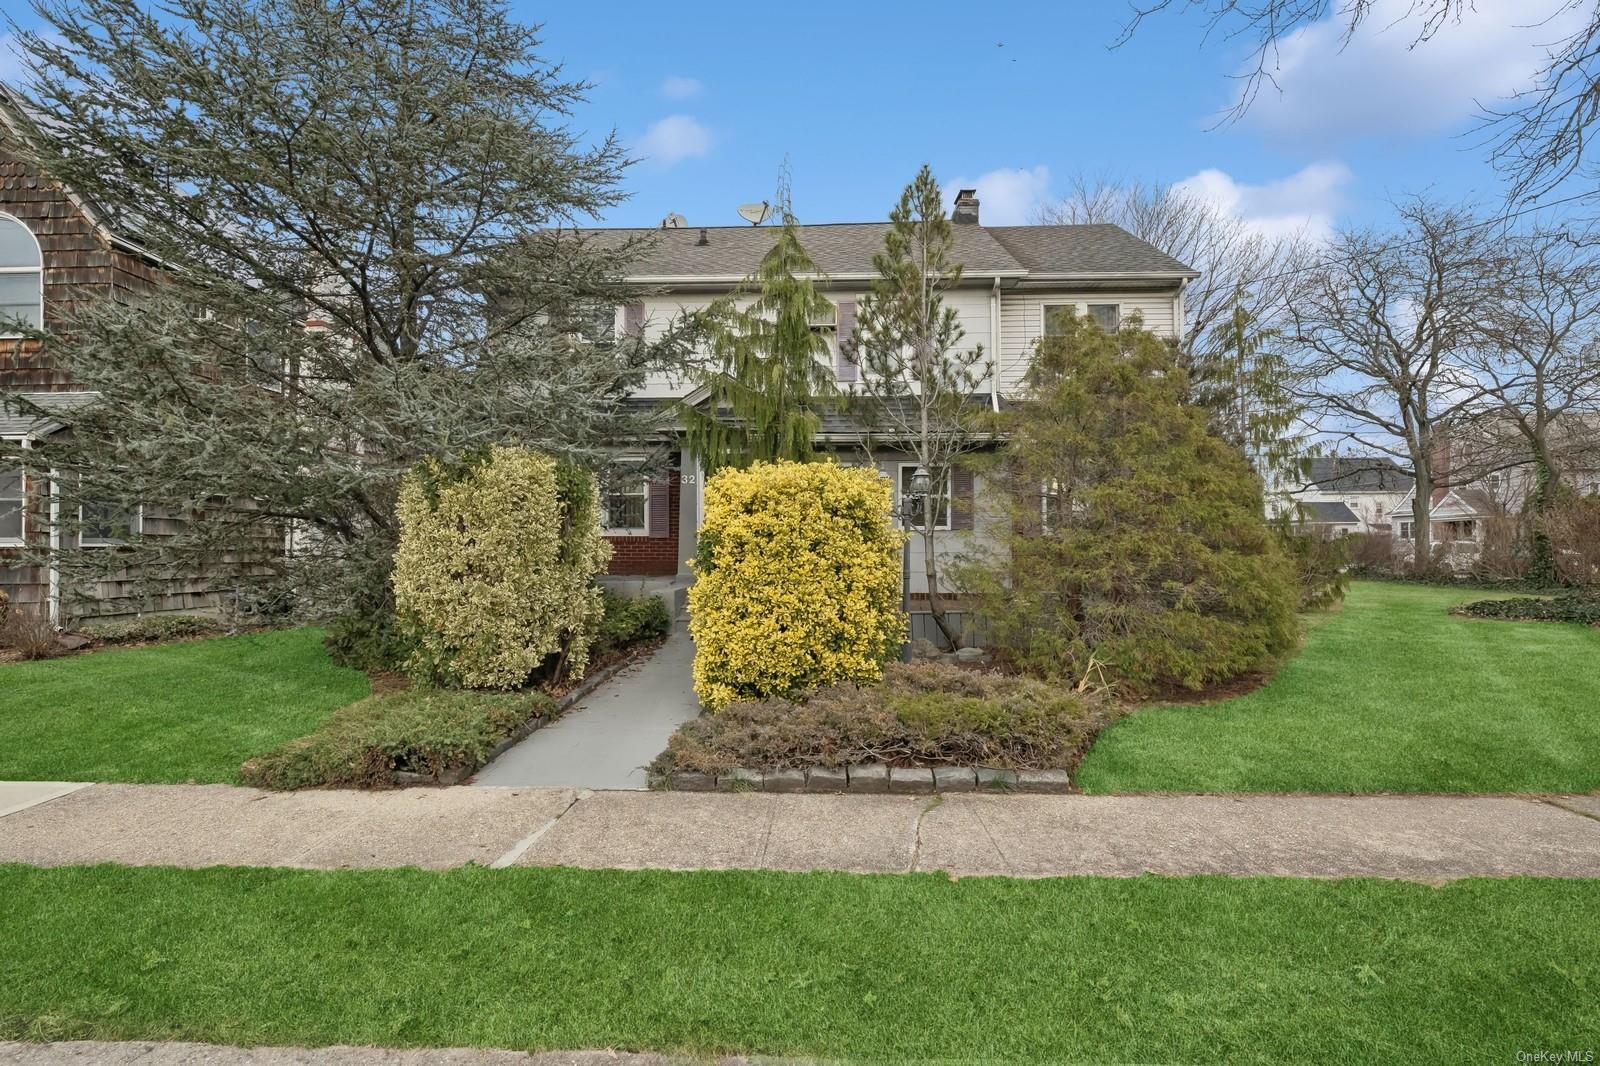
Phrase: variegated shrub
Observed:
(495, 568)
(798, 581)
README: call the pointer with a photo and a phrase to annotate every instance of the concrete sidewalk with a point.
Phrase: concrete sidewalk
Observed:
(609, 736)
(1426, 838)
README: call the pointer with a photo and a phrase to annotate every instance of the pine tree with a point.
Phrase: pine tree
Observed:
(393, 174)
(919, 387)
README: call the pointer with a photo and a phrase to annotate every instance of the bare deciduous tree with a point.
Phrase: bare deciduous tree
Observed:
(1384, 327)
(1240, 267)
(1540, 366)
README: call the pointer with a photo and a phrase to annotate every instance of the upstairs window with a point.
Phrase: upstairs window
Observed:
(21, 278)
(1107, 316)
(1055, 316)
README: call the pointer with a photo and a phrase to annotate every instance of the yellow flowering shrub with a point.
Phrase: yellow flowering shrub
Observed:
(797, 581)
(495, 568)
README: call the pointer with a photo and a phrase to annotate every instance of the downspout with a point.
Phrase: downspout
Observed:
(994, 344)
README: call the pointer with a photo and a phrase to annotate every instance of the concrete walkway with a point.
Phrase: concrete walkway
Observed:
(1422, 838)
(606, 740)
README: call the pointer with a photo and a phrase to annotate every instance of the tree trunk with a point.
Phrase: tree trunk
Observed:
(930, 568)
(1421, 514)
(1542, 558)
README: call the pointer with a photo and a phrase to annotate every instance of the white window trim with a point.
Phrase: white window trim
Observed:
(1106, 303)
(39, 270)
(135, 530)
(1081, 309)
(949, 494)
(630, 531)
(1045, 308)
(20, 541)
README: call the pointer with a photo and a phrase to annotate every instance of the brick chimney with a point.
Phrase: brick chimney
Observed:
(966, 207)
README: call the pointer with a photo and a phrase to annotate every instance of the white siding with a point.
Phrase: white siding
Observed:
(971, 306)
(1022, 321)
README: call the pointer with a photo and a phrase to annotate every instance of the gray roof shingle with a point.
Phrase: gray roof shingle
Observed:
(14, 422)
(847, 248)
(1099, 248)
(1330, 512)
(1358, 473)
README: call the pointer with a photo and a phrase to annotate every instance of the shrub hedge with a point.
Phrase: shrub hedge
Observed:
(923, 714)
(421, 730)
(1580, 607)
(152, 628)
(797, 581)
(626, 620)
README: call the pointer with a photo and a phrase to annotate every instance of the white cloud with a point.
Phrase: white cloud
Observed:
(674, 139)
(678, 88)
(1006, 197)
(1379, 84)
(1306, 202)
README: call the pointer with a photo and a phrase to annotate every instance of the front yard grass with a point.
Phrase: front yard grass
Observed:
(885, 967)
(190, 711)
(1390, 693)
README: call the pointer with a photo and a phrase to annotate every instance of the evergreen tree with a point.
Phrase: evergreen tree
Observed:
(1137, 552)
(770, 372)
(920, 385)
(359, 205)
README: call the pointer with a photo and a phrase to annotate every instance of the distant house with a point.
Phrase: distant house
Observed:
(1329, 517)
(1351, 493)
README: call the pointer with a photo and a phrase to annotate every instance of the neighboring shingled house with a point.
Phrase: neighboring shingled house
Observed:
(55, 250)
(1014, 278)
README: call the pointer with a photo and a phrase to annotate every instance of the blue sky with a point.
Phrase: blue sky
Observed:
(1017, 98)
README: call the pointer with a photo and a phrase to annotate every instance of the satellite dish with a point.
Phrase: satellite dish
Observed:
(755, 214)
(674, 221)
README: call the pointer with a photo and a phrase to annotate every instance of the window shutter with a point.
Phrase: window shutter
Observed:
(633, 319)
(961, 498)
(846, 366)
(660, 505)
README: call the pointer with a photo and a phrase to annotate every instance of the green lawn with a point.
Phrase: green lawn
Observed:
(188, 711)
(1147, 969)
(1390, 693)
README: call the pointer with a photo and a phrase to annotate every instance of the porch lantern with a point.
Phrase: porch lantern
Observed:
(921, 483)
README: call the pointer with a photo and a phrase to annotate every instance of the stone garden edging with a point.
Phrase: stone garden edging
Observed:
(869, 778)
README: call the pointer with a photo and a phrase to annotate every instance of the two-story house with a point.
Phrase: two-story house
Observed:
(1014, 278)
